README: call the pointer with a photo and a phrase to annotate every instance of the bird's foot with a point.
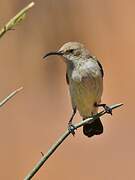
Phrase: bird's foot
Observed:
(106, 108)
(71, 128)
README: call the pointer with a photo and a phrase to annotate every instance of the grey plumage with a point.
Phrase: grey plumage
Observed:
(85, 79)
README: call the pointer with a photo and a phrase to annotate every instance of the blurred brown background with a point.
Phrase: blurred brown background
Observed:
(36, 117)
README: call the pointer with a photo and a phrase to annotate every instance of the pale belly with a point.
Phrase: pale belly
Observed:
(85, 94)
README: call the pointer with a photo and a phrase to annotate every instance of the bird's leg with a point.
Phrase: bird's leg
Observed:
(106, 108)
(71, 127)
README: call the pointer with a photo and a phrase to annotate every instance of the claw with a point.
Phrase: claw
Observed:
(71, 128)
(108, 109)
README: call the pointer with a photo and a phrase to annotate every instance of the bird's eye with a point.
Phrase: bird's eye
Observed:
(70, 51)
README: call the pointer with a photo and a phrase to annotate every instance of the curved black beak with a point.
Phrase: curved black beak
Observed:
(58, 53)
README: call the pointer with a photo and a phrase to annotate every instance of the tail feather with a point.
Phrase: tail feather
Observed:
(95, 128)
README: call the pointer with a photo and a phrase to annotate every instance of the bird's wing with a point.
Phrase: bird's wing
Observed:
(101, 67)
(72, 100)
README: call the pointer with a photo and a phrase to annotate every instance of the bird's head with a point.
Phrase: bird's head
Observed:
(71, 51)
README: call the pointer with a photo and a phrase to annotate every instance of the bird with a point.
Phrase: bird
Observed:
(84, 76)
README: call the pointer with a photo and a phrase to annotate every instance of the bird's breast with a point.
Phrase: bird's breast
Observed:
(85, 89)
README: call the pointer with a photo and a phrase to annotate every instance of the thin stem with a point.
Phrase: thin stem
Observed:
(15, 20)
(10, 96)
(61, 139)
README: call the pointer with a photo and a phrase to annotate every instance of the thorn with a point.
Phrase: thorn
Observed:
(42, 153)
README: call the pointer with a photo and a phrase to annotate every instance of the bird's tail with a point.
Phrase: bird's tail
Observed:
(95, 128)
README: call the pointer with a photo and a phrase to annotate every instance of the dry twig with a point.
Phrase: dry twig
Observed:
(61, 139)
(15, 20)
(10, 96)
